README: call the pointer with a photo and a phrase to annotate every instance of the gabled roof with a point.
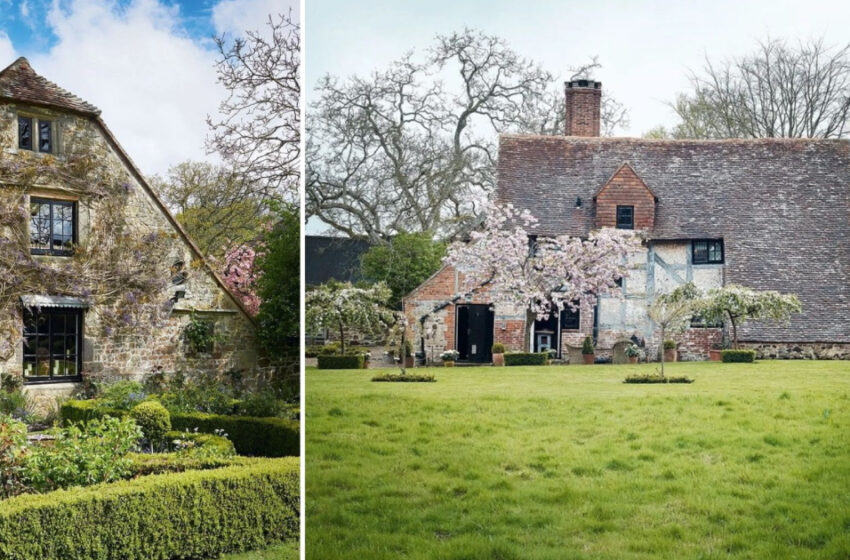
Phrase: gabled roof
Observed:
(782, 207)
(624, 169)
(19, 82)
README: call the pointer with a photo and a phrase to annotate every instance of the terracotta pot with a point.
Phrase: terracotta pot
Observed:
(589, 358)
(715, 355)
(408, 361)
(633, 359)
(498, 360)
(448, 364)
(671, 355)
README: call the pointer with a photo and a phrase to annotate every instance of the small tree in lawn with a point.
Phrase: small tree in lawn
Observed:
(673, 312)
(542, 275)
(343, 307)
(739, 303)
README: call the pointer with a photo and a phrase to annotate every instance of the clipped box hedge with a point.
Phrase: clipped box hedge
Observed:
(262, 437)
(526, 359)
(341, 362)
(194, 514)
(738, 356)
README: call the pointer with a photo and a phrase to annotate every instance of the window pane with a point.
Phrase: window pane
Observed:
(25, 133)
(715, 251)
(29, 366)
(44, 144)
(58, 348)
(700, 252)
(42, 324)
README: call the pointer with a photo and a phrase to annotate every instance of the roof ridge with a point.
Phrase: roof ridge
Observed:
(20, 82)
(612, 139)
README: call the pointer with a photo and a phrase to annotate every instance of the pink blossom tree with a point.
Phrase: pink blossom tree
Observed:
(543, 274)
(241, 276)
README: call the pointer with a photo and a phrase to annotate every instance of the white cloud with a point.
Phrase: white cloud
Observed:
(154, 84)
(237, 16)
(7, 51)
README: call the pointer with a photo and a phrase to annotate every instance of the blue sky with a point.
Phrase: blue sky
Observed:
(147, 64)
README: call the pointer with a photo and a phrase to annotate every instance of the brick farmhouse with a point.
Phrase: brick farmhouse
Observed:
(61, 336)
(770, 214)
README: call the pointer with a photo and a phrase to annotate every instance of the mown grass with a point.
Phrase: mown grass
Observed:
(288, 551)
(749, 461)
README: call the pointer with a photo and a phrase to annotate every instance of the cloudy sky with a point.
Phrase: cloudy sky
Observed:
(645, 46)
(147, 64)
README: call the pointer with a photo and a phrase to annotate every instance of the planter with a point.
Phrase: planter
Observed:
(589, 358)
(671, 355)
(448, 363)
(499, 360)
(633, 359)
(408, 361)
(714, 355)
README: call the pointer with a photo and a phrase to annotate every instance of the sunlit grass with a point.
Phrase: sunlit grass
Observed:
(750, 461)
(287, 551)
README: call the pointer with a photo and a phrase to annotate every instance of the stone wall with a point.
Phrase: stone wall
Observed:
(799, 351)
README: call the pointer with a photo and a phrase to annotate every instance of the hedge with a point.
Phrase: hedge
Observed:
(526, 359)
(263, 437)
(653, 378)
(738, 355)
(195, 514)
(406, 378)
(341, 362)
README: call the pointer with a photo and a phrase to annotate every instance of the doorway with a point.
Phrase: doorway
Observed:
(474, 333)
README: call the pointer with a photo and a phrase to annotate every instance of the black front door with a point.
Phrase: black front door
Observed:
(474, 333)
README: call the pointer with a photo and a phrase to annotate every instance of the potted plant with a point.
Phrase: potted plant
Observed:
(715, 353)
(632, 353)
(588, 352)
(670, 353)
(551, 354)
(498, 350)
(449, 357)
(408, 354)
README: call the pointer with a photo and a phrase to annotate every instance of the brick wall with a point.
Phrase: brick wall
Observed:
(625, 188)
(583, 108)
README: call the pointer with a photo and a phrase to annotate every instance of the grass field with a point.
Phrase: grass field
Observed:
(558, 462)
(287, 551)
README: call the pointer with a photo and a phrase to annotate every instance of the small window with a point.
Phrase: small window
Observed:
(625, 217)
(53, 227)
(570, 320)
(52, 338)
(708, 251)
(36, 135)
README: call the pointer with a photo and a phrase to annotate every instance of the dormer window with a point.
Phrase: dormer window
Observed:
(625, 217)
(35, 135)
(53, 227)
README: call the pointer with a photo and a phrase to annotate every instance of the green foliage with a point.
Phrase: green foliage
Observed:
(10, 383)
(654, 378)
(632, 351)
(343, 308)
(450, 356)
(743, 356)
(587, 346)
(153, 419)
(122, 395)
(204, 393)
(199, 445)
(16, 404)
(200, 335)
(341, 362)
(739, 303)
(262, 404)
(408, 348)
(526, 358)
(498, 348)
(279, 285)
(197, 514)
(326, 349)
(405, 378)
(13, 439)
(670, 344)
(404, 262)
(83, 454)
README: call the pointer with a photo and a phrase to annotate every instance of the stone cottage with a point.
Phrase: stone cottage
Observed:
(770, 214)
(96, 276)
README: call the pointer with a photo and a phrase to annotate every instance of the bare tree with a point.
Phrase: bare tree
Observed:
(779, 91)
(413, 147)
(258, 130)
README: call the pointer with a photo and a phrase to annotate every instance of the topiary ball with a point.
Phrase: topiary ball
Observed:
(153, 419)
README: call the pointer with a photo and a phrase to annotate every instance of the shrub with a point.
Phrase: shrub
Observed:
(83, 455)
(632, 351)
(204, 394)
(525, 359)
(341, 362)
(197, 444)
(16, 404)
(670, 344)
(144, 464)
(498, 348)
(122, 395)
(450, 355)
(408, 348)
(196, 514)
(656, 379)
(587, 346)
(265, 437)
(13, 440)
(261, 405)
(153, 419)
(405, 378)
(747, 356)
(10, 383)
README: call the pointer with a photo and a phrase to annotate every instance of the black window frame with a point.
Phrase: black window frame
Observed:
(710, 245)
(631, 217)
(32, 330)
(36, 125)
(74, 225)
(574, 316)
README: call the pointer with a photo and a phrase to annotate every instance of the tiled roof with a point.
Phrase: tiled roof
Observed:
(19, 82)
(782, 207)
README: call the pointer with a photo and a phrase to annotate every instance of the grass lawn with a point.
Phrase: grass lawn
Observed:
(287, 551)
(750, 461)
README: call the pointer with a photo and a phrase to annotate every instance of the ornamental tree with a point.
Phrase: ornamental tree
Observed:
(540, 274)
(241, 276)
(739, 303)
(346, 308)
(672, 312)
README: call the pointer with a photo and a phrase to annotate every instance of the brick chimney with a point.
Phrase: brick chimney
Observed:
(583, 102)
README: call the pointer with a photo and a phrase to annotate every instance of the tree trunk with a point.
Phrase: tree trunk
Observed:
(526, 340)
(662, 352)
(341, 338)
(734, 332)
